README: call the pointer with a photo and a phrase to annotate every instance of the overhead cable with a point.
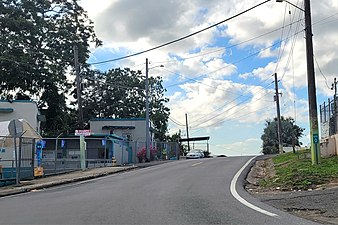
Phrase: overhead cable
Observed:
(181, 38)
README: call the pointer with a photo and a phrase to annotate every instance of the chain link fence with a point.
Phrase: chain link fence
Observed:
(328, 118)
(61, 155)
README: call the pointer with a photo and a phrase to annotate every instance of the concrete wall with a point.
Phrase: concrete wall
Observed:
(329, 146)
(22, 109)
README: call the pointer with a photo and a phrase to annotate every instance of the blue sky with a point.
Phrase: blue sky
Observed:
(226, 90)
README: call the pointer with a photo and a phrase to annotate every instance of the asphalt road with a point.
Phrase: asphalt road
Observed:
(181, 192)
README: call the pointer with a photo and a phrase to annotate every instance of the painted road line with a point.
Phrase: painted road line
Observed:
(242, 200)
(196, 164)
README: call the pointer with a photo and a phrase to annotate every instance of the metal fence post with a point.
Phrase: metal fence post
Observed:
(33, 155)
(20, 157)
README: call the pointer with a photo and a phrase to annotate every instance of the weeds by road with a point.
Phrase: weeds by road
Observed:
(296, 172)
(291, 183)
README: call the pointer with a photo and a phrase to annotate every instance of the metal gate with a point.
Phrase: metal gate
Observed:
(16, 159)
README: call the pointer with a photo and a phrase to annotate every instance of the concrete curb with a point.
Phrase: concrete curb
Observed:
(28, 188)
(243, 177)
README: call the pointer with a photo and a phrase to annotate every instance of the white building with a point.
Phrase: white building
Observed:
(20, 109)
(133, 129)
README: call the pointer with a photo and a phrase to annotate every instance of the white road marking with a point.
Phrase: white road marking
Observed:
(196, 164)
(240, 199)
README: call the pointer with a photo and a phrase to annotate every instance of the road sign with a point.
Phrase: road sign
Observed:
(82, 132)
(315, 138)
(15, 128)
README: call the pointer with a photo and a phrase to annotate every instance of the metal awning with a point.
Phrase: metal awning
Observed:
(194, 139)
(6, 110)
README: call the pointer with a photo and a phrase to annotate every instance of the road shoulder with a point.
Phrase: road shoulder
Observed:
(319, 204)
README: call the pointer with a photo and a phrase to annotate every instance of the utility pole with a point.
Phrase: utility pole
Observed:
(279, 124)
(187, 127)
(78, 86)
(314, 133)
(147, 112)
(334, 87)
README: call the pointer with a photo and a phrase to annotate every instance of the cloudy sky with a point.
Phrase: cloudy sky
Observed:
(222, 77)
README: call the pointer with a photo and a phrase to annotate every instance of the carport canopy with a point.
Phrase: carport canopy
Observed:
(194, 139)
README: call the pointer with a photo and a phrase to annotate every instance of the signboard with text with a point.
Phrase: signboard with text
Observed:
(82, 132)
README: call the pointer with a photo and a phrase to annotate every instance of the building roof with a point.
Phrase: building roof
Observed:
(119, 127)
(117, 119)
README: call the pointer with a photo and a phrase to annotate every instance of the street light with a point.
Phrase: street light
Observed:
(147, 108)
(314, 134)
(291, 4)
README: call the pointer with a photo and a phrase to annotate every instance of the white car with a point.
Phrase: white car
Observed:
(195, 154)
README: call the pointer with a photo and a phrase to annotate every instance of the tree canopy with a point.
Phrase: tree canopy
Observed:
(36, 45)
(290, 134)
(36, 59)
(120, 93)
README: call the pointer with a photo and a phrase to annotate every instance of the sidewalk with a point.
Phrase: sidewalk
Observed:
(54, 180)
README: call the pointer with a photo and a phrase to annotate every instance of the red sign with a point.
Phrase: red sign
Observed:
(82, 132)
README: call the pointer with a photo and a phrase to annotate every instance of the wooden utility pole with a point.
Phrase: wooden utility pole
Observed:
(279, 124)
(314, 133)
(334, 87)
(147, 110)
(187, 127)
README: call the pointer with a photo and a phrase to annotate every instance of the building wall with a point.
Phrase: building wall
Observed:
(137, 132)
(329, 146)
(22, 109)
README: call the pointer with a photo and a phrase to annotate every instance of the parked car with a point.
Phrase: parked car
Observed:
(195, 154)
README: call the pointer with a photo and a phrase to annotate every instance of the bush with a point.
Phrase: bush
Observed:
(142, 155)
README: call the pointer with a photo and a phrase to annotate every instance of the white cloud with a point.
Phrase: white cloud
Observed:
(127, 27)
(251, 146)
(211, 102)
(123, 25)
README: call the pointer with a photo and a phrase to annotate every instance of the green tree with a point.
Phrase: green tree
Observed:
(36, 51)
(175, 138)
(290, 134)
(120, 93)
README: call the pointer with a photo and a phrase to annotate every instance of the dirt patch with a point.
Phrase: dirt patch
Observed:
(319, 204)
(261, 170)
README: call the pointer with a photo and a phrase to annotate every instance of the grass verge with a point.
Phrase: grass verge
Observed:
(296, 172)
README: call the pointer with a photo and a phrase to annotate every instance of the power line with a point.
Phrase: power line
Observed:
(293, 43)
(280, 56)
(328, 17)
(240, 60)
(176, 122)
(238, 117)
(281, 37)
(182, 38)
(217, 115)
(230, 46)
(321, 72)
(227, 103)
(112, 84)
(233, 63)
(228, 110)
